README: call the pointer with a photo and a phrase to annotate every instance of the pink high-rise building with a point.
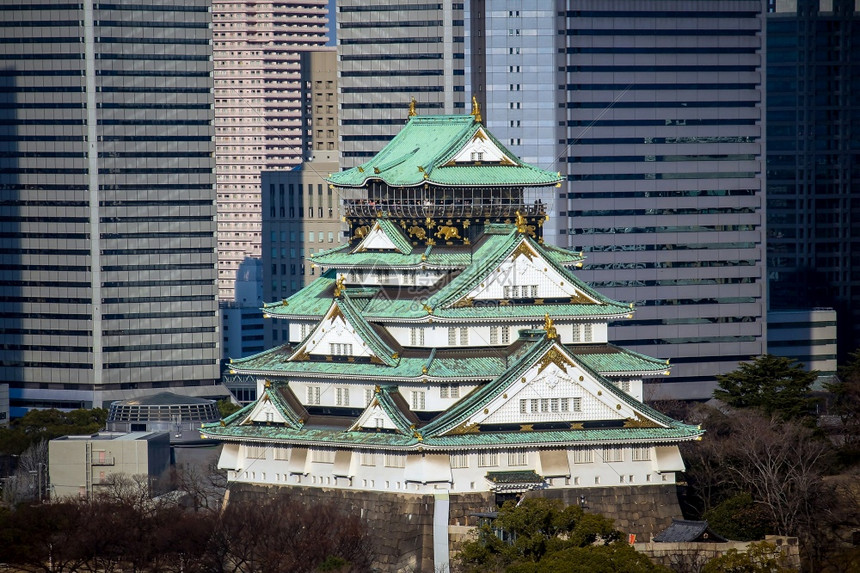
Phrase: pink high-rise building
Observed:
(258, 112)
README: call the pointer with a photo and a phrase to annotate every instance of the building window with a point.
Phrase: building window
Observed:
(281, 453)
(506, 335)
(488, 459)
(576, 335)
(587, 332)
(494, 335)
(576, 404)
(544, 405)
(524, 406)
(553, 405)
(459, 460)
(368, 396)
(641, 453)
(340, 349)
(518, 458)
(341, 396)
(624, 385)
(534, 405)
(255, 452)
(418, 400)
(313, 395)
(452, 336)
(449, 391)
(322, 456)
(613, 455)
(416, 336)
(582, 456)
(395, 461)
(464, 336)
(368, 458)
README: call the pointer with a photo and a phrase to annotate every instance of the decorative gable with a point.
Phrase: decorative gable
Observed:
(264, 411)
(384, 236)
(342, 332)
(526, 274)
(548, 387)
(481, 149)
(388, 411)
(374, 418)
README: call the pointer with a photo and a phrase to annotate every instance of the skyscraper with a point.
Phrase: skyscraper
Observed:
(389, 53)
(813, 131)
(258, 115)
(654, 113)
(108, 207)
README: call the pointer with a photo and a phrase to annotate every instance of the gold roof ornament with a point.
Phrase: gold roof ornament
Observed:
(339, 287)
(521, 223)
(412, 112)
(476, 110)
(548, 325)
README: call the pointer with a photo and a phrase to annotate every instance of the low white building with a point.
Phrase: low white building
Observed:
(79, 465)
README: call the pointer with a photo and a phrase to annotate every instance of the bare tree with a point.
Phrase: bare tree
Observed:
(30, 480)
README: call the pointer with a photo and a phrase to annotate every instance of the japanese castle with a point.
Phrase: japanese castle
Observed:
(446, 348)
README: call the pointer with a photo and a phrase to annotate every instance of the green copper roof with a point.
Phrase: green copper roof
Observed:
(497, 243)
(421, 153)
(334, 437)
(364, 330)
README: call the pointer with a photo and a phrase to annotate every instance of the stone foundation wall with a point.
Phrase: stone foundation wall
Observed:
(402, 524)
(643, 510)
(693, 556)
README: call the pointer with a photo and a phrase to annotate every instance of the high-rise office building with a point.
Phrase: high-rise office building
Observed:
(653, 113)
(258, 115)
(813, 153)
(389, 53)
(301, 211)
(108, 207)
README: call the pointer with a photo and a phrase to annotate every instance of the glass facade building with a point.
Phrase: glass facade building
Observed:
(653, 111)
(389, 53)
(654, 114)
(108, 255)
(813, 160)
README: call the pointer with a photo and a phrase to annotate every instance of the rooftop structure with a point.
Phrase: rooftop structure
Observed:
(181, 416)
(446, 348)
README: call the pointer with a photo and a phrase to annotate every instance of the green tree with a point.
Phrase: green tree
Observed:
(542, 535)
(227, 407)
(774, 385)
(740, 518)
(845, 391)
(761, 557)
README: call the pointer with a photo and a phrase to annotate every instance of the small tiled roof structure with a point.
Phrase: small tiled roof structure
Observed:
(687, 531)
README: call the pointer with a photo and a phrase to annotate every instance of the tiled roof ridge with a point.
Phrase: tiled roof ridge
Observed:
(393, 232)
(405, 420)
(379, 347)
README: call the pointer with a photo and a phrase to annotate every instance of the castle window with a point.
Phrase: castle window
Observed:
(613, 455)
(368, 396)
(518, 458)
(452, 336)
(340, 349)
(544, 405)
(464, 336)
(534, 405)
(368, 458)
(534, 291)
(587, 332)
(575, 332)
(582, 456)
(459, 460)
(523, 406)
(553, 404)
(624, 385)
(494, 335)
(313, 395)
(255, 452)
(342, 396)
(641, 453)
(395, 461)
(323, 456)
(281, 453)
(506, 335)
(488, 459)
(507, 291)
(418, 399)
